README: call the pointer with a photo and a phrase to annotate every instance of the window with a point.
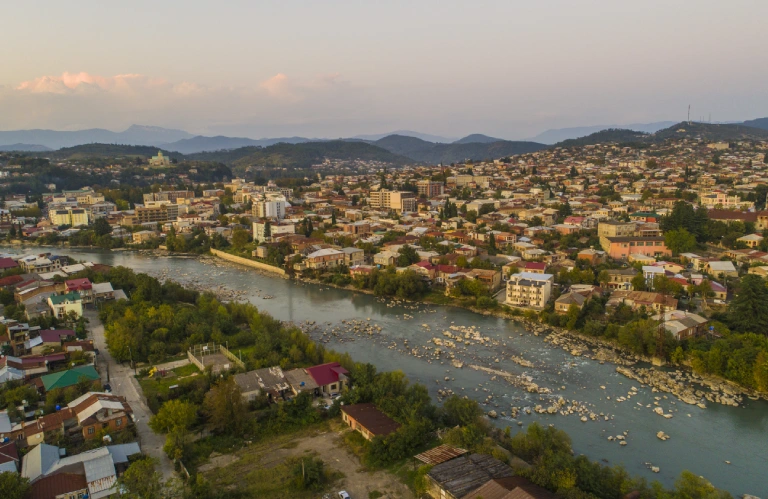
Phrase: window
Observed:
(91, 430)
(119, 422)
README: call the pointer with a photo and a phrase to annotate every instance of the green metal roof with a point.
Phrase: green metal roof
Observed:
(70, 377)
(59, 299)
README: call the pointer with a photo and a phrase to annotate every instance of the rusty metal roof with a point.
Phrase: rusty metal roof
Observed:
(440, 454)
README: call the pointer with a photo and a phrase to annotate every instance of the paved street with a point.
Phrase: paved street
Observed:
(124, 384)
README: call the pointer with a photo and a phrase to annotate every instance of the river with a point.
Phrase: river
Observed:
(702, 440)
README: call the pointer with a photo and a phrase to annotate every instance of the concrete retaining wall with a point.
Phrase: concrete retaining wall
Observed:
(245, 261)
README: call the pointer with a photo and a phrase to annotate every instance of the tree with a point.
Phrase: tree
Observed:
(690, 486)
(679, 241)
(333, 217)
(240, 238)
(101, 227)
(309, 473)
(174, 415)
(492, 245)
(13, 485)
(461, 411)
(407, 255)
(749, 309)
(267, 230)
(225, 409)
(308, 228)
(603, 278)
(638, 282)
(141, 481)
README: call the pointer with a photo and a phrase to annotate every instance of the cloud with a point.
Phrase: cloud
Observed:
(84, 100)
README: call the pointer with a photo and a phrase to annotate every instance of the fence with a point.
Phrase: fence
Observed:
(245, 261)
(196, 355)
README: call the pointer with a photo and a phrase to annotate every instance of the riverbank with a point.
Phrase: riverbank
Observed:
(682, 382)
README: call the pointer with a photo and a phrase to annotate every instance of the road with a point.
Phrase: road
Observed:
(125, 385)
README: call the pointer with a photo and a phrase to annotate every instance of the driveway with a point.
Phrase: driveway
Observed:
(125, 385)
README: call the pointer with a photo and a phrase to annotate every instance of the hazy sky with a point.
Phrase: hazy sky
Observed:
(262, 68)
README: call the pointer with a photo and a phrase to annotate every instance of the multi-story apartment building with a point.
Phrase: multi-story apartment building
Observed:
(74, 217)
(526, 289)
(168, 196)
(399, 201)
(614, 228)
(272, 206)
(275, 229)
(429, 189)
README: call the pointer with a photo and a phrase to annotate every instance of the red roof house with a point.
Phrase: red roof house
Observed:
(330, 378)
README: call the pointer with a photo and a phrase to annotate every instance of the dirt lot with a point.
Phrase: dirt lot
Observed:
(267, 459)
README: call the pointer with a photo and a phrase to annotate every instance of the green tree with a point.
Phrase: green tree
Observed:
(407, 255)
(690, 486)
(309, 473)
(240, 238)
(749, 309)
(101, 227)
(679, 241)
(267, 230)
(225, 409)
(492, 250)
(13, 485)
(174, 415)
(141, 481)
(461, 411)
(638, 282)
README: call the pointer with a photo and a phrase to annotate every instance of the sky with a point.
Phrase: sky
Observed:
(262, 68)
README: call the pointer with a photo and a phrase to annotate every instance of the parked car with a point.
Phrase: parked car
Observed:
(343, 495)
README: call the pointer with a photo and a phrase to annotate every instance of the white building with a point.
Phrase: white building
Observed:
(527, 289)
(259, 229)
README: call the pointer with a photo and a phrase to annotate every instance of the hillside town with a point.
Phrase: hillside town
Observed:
(643, 246)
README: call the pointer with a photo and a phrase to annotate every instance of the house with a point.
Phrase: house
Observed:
(491, 278)
(331, 378)
(144, 236)
(70, 377)
(353, 256)
(385, 258)
(368, 420)
(61, 305)
(458, 477)
(98, 469)
(269, 381)
(526, 289)
(326, 258)
(721, 269)
(299, 381)
(682, 325)
(81, 286)
(620, 278)
(97, 411)
(515, 487)
(103, 291)
(591, 255)
(751, 240)
(9, 451)
(638, 299)
(564, 302)
(533, 267)
(619, 248)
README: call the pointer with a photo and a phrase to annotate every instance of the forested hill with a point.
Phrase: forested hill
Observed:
(109, 150)
(430, 152)
(299, 156)
(611, 135)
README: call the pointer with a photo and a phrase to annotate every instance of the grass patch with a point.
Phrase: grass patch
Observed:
(258, 472)
(186, 370)
(374, 494)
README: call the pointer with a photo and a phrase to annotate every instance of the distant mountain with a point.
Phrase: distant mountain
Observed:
(220, 143)
(25, 148)
(758, 123)
(611, 135)
(304, 155)
(477, 138)
(406, 133)
(54, 139)
(556, 135)
(109, 150)
(429, 152)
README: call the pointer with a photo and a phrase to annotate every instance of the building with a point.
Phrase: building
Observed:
(82, 286)
(275, 229)
(613, 228)
(273, 206)
(91, 474)
(368, 420)
(564, 302)
(330, 378)
(61, 305)
(429, 189)
(70, 377)
(399, 201)
(353, 256)
(514, 487)
(168, 196)
(269, 381)
(159, 160)
(327, 258)
(721, 269)
(526, 289)
(456, 478)
(682, 325)
(74, 217)
(144, 236)
(620, 248)
(620, 278)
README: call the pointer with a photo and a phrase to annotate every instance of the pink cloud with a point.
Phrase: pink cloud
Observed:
(72, 81)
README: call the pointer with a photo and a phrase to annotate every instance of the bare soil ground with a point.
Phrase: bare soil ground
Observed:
(267, 458)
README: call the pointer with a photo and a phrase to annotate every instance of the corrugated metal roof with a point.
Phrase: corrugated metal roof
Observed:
(440, 454)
